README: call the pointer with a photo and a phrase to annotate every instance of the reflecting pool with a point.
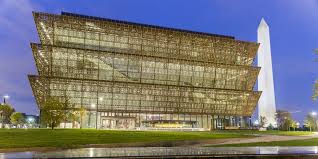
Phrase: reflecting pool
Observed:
(162, 152)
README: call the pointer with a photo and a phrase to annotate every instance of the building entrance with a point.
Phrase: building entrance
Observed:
(118, 123)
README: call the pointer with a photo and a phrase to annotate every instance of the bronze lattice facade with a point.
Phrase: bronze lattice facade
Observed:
(128, 75)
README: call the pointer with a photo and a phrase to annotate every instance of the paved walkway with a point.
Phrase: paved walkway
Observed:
(260, 138)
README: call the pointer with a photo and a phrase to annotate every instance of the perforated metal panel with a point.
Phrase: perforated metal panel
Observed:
(137, 68)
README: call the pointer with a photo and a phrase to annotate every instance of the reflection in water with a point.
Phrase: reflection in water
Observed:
(162, 151)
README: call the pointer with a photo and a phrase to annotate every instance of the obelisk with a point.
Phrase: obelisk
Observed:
(266, 103)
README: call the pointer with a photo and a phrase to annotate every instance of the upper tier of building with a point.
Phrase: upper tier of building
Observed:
(85, 32)
(103, 65)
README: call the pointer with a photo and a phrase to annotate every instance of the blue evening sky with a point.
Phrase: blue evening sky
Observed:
(293, 27)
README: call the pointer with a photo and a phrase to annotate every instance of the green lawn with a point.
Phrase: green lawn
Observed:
(308, 142)
(26, 138)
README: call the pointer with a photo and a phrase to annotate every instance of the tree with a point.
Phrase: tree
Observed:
(77, 115)
(311, 122)
(52, 112)
(270, 127)
(68, 109)
(284, 120)
(263, 121)
(73, 117)
(17, 119)
(82, 113)
(5, 112)
(315, 95)
(288, 123)
(294, 125)
(315, 91)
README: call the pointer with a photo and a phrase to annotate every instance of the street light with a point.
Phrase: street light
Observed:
(99, 99)
(275, 124)
(5, 97)
(30, 119)
(313, 114)
(256, 122)
(297, 124)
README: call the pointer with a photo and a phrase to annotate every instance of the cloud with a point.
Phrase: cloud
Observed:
(17, 31)
(15, 17)
(305, 11)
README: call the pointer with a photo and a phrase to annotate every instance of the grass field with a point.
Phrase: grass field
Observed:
(65, 138)
(26, 138)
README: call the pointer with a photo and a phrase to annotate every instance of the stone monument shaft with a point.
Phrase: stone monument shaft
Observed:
(266, 104)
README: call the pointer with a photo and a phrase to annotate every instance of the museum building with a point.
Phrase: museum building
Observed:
(135, 76)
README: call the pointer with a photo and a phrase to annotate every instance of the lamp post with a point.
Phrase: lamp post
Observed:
(288, 126)
(256, 123)
(93, 105)
(99, 99)
(297, 124)
(5, 97)
(313, 114)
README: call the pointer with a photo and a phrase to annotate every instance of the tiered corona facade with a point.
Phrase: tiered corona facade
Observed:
(136, 76)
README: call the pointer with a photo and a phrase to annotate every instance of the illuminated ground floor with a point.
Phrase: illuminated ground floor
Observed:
(148, 121)
(139, 106)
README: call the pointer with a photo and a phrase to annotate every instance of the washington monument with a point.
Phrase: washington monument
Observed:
(266, 103)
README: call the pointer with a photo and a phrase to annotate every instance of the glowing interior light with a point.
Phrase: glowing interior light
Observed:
(30, 119)
(46, 32)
